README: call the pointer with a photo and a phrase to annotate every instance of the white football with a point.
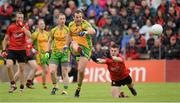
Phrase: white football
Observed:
(156, 29)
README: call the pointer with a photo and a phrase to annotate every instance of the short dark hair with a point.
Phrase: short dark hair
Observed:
(77, 12)
(19, 12)
(60, 14)
(114, 46)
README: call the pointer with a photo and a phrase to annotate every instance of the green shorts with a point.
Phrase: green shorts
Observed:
(58, 57)
(86, 51)
(40, 59)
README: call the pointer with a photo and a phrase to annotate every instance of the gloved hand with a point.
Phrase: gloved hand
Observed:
(82, 33)
(64, 48)
(20, 23)
(4, 53)
(47, 55)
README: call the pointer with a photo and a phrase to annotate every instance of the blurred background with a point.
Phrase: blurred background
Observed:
(123, 22)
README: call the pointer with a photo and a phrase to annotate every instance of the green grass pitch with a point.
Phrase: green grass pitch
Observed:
(95, 92)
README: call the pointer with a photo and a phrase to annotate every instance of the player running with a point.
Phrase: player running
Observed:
(118, 72)
(59, 54)
(80, 37)
(40, 40)
(16, 36)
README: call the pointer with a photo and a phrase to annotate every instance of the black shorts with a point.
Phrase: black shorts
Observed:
(19, 55)
(127, 80)
(28, 58)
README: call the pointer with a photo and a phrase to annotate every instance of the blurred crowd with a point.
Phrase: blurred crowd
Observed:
(124, 22)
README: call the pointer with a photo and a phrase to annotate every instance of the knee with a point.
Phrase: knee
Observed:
(9, 65)
(81, 71)
(52, 71)
(21, 70)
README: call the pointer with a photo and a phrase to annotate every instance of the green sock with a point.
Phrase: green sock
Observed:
(79, 85)
(66, 87)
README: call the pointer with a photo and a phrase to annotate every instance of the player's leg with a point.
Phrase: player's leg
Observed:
(65, 70)
(53, 72)
(76, 49)
(115, 89)
(9, 65)
(21, 57)
(16, 76)
(33, 66)
(44, 72)
(130, 85)
(21, 76)
(115, 92)
(81, 68)
(54, 60)
(131, 88)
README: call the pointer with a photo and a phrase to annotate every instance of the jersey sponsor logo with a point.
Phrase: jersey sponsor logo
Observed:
(18, 35)
(138, 72)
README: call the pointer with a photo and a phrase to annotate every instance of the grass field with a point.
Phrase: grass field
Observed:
(95, 92)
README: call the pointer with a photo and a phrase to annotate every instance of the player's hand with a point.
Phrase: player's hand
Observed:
(20, 23)
(82, 33)
(64, 48)
(4, 53)
(47, 55)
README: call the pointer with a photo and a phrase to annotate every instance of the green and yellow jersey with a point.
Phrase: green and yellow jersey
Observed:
(75, 30)
(40, 40)
(58, 37)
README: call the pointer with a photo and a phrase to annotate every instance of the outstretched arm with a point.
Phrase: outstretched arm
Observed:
(101, 61)
(117, 59)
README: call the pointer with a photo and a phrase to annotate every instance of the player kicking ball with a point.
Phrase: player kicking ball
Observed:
(118, 72)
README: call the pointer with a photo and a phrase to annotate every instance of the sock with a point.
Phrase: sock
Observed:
(79, 85)
(65, 87)
(131, 89)
(29, 82)
(21, 86)
(13, 82)
(55, 85)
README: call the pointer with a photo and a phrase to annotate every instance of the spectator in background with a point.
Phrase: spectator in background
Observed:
(114, 17)
(147, 15)
(94, 37)
(96, 8)
(6, 11)
(103, 20)
(175, 6)
(98, 52)
(57, 4)
(69, 16)
(55, 15)
(157, 50)
(160, 18)
(145, 29)
(137, 16)
(35, 14)
(131, 50)
(130, 8)
(105, 37)
(45, 14)
(31, 24)
(166, 37)
(173, 49)
(72, 5)
(124, 20)
(163, 7)
(140, 41)
(150, 41)
(126, 38)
